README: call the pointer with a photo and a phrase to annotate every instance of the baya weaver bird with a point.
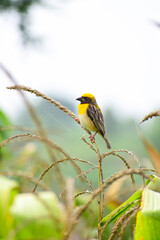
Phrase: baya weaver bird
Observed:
(91, 117)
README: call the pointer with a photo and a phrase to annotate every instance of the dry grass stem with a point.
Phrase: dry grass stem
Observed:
(108, 221)
(29, 136)
(67, 187)
(49, 142)
(58, 162)
(89, 144)
(50, 100)
(28, 105)
(84, 161)
(120, 221)
(151, 170)
(127, 165)
(36, 121)
(79, 176)
(101, 194)
(115, 177)
(19, 128)
(150, 115)
(97, 191)
(126, 223)
(69, 201)
(81, 193)
(130, 153)
(84, 173)
(123, 151)
(44, 172)
(57, 104)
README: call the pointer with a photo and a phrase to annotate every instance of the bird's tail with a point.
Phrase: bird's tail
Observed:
(107, 142)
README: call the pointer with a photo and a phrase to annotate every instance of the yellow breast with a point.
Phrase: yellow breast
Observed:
(85, 121)
(82, 108)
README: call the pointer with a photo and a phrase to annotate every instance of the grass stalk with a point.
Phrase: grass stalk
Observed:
(115, 177)
(101, 193)
(37, 122)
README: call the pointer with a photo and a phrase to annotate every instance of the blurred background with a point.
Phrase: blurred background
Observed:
(65, 48)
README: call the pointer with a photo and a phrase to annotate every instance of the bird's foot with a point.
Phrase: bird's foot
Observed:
(91, 137)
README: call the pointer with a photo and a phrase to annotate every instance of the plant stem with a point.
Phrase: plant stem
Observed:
(101, 193)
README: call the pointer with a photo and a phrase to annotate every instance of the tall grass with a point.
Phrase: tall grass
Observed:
(67, 193)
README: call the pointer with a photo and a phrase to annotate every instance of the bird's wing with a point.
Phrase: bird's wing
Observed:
(96, 116)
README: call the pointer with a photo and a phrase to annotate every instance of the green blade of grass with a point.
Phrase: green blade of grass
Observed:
(129, 203)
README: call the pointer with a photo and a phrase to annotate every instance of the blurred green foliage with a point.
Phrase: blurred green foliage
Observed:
(25, 215)
(123, 133)
(148, 218)
(4, 123)
(30, 158)
(21, 6)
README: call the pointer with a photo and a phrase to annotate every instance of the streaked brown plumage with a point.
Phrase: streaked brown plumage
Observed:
(91, 117)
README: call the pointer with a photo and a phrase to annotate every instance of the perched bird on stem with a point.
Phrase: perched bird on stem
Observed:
(91, 117)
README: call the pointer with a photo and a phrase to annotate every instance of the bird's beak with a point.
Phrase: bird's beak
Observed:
(79, 99)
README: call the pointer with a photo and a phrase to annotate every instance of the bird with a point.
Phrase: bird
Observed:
(91, 117)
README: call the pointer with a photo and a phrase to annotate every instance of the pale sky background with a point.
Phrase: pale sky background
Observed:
(108, 48)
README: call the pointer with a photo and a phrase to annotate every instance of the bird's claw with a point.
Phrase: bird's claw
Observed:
(92, 139)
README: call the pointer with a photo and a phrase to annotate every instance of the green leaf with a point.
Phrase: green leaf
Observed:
(116, 213)
(148, 219)
(8, 190)
(154, 184)
(4, 122)
(38, 216)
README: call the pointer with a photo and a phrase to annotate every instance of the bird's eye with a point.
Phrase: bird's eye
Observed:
(87, 99)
